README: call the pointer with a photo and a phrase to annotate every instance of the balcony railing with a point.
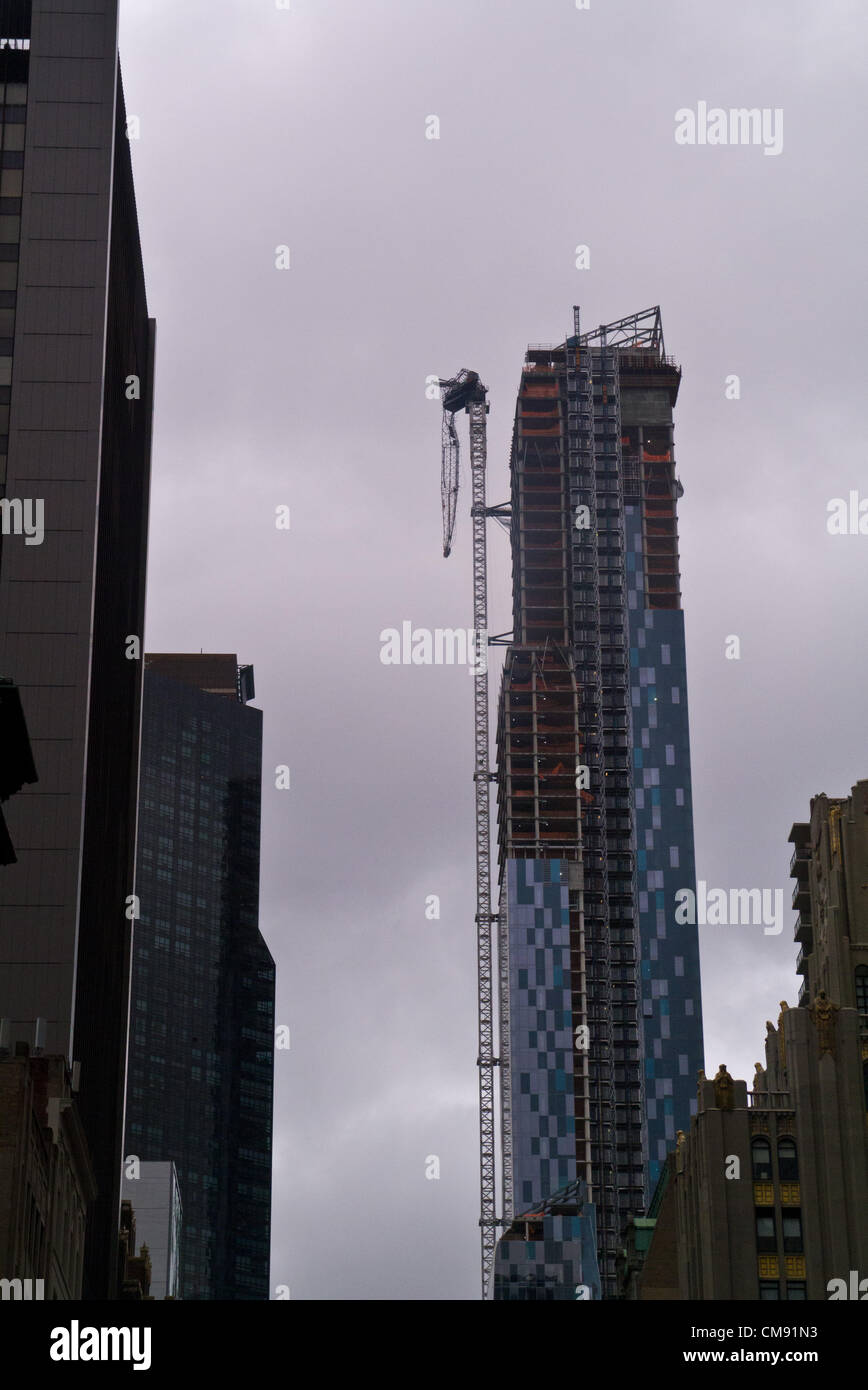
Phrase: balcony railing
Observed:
(801, 858)
(770, 1100)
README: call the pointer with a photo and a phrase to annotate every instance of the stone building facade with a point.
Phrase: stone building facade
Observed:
(767, 1197)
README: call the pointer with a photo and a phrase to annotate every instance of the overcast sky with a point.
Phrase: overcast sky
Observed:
(305, 387)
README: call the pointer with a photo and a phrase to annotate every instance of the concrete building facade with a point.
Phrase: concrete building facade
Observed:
(767, 1196)
(46, 1177)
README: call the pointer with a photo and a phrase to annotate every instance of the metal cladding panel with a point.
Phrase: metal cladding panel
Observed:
(67, 310)
(69, 457)
(61, 170)
(72, 216)
(75, 35)
(57, 559)
(51, 260)
(67, 78)
(78, 122)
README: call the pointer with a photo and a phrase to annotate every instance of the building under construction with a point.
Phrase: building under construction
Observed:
(600, 1015)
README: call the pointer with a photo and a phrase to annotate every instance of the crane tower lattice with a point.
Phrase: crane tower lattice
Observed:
(466, 392)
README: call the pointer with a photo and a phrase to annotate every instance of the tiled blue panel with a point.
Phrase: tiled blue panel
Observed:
(664, 830)
(541, 1075)
(551, 1268)
(541, 1041)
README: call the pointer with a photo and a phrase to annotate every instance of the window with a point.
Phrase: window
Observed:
(769, 1292)
(862, 988)
(796, 1291)
(10, 183)
(761, 1160)
(788, 1161)
(765, 1231)
(13, 137)
(792, 1231)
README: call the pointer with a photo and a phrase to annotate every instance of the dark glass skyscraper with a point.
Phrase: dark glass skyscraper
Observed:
(76, 382)
(602, 1039)
(202, 1017)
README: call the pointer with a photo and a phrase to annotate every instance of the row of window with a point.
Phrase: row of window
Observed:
(770, 1292)
(11, 182)
(766, 1233)
(761, 1160)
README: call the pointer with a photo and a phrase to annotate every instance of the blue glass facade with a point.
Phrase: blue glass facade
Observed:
(541, 1036)
(671, 1006)
(543, 1074)
(549, 1253)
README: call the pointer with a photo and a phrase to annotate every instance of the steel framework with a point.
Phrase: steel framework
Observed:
(466, 392)
(642, 330)
(449, 478)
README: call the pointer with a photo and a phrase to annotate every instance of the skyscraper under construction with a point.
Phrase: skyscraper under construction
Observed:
(601, 1031)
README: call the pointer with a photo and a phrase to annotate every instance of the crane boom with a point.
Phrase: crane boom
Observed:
(449, 478)
(465, 391)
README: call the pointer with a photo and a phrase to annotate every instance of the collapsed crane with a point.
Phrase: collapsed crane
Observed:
(456, 393)
(466, 392)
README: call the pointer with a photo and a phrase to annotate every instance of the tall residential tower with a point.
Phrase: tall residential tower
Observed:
(602, 1038)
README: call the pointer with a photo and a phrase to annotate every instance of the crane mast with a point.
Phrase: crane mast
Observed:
(466, 392)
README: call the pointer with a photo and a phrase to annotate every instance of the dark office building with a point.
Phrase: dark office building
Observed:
(76, 375)
(595, 820)
(202, 1033)
(16, 759)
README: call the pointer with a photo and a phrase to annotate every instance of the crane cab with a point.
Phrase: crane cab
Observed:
(461, 390)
